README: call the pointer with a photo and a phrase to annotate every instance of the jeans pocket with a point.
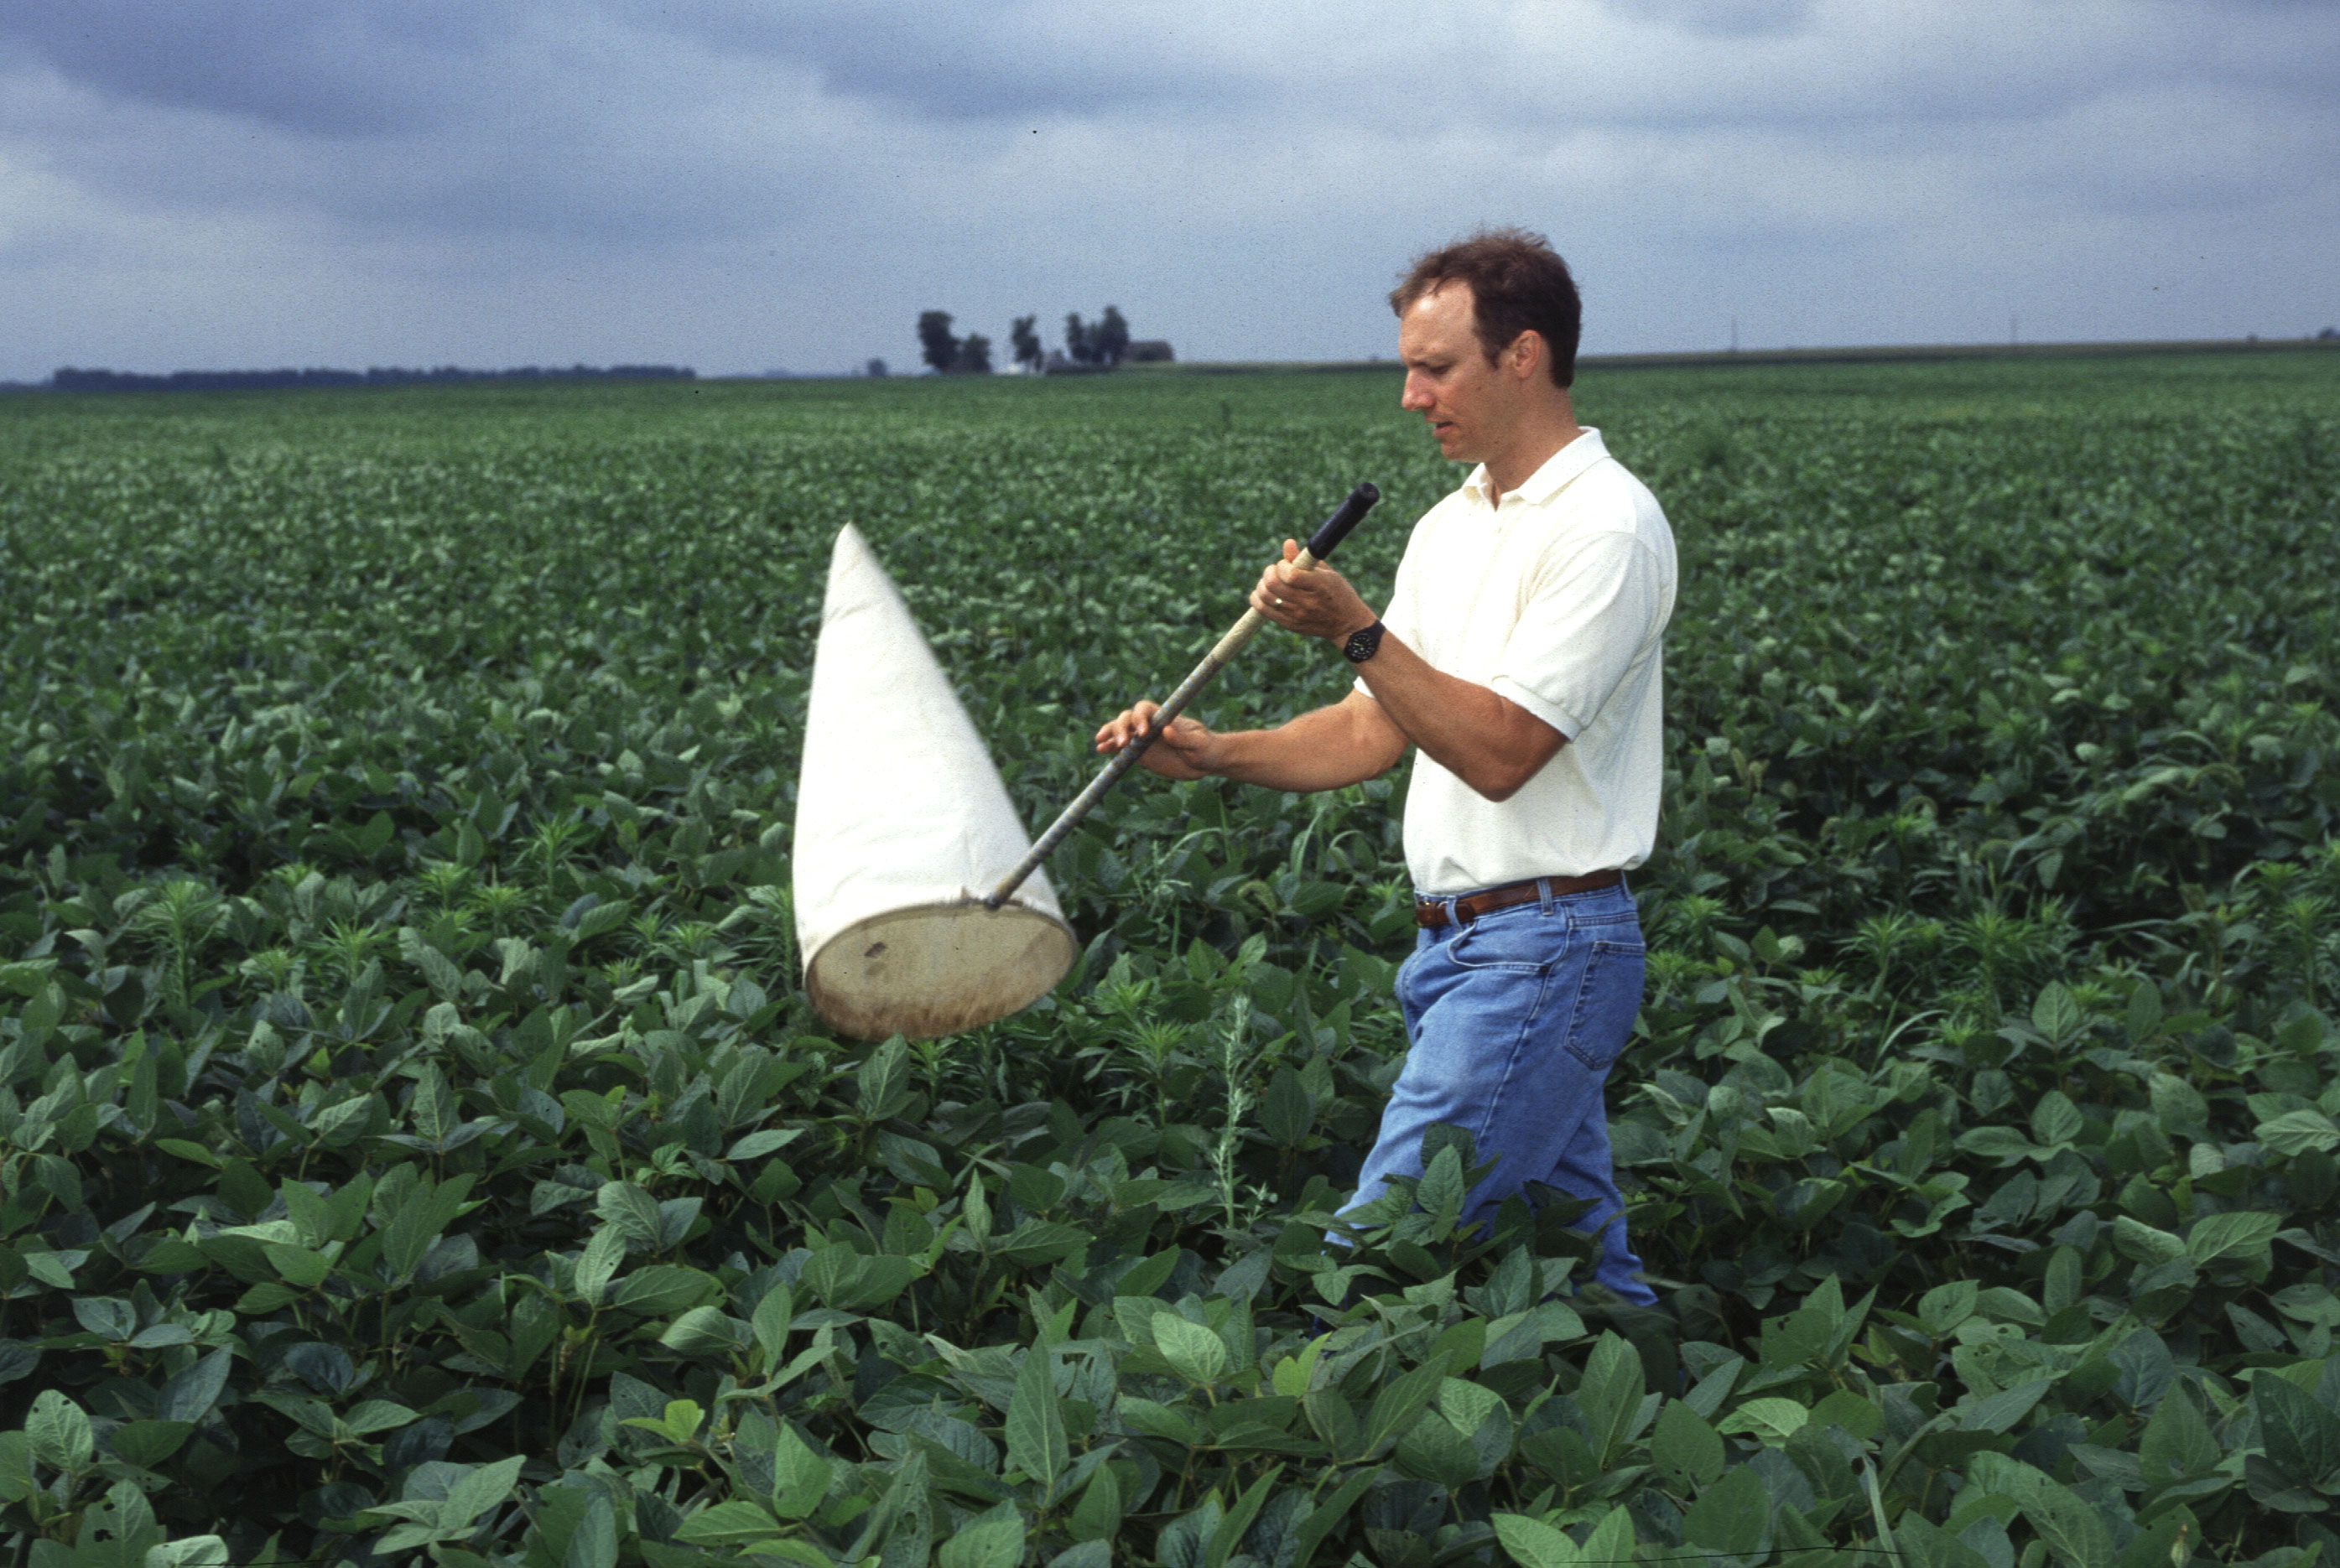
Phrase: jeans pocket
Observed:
(1525, 944)
(1607, 999)
(1607, 920)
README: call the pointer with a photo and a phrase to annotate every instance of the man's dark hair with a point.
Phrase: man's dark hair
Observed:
(1517, 284)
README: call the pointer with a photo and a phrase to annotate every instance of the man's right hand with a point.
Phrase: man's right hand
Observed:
(1180, 752)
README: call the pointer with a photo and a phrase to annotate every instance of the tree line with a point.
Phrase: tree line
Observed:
(69, 379)
(1103, 343)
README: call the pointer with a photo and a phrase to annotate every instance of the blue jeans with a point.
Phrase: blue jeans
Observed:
(1511, 1024)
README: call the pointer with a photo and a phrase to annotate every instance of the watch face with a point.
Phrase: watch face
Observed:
(1363, 644)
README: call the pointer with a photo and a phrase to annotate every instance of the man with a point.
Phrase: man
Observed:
(1520, 654)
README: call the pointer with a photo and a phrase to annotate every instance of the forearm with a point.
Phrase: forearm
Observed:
(1332, 746)
(1490, 743)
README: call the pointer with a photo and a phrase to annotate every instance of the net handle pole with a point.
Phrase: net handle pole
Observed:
(1321, 544)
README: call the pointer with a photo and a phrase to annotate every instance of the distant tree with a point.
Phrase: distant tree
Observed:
(69, 379)
(1104, 341)
(973, 356)
(876, 368)
(1026, 342)
(936, 344)
(1080, 342)
(1109, 338)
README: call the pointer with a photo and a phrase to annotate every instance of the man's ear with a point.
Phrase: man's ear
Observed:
(1525, 357)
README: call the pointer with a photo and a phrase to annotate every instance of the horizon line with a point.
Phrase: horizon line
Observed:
(1646, 360)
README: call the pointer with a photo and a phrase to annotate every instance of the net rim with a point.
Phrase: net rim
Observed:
(847, 1018)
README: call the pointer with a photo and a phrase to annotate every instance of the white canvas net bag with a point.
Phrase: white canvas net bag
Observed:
(902, 827)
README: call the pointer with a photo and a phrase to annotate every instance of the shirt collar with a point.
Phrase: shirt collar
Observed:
(1547, 481)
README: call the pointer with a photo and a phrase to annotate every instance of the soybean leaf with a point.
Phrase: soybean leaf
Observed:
(800, 1477)
(1924, 1544)
(1036, 1423)
(1097, 1515)
(594, 1543)
(632, 1212)
(598, 1263)
(482, 1488)
(60, 1432)
(992, 1540)
(2176, 1445)
(2300, 1435)
(2241, 1235)
(733, 1522)
(189, 1396)
(1611, 1393)
(1198, 1356)
(1685, 1446)
(1532, 1543)
(1999, 1412)
(147, 1443)
(1231, 1529)
(1733, 1516)
(1185, 1540)
(1327, 1515)
(1395, 1407)
(2075, 1531)
(107, 1316)
(2056, 1014)
(422, 1216)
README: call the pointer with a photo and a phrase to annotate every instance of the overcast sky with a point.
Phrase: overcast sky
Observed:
(745, 184)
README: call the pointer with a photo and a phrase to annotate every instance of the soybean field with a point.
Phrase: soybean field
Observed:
(415, 1148)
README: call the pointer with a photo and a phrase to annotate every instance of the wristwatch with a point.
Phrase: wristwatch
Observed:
(1363, 642)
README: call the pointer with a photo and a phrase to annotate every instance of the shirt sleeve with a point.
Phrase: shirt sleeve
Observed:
(1593, 607)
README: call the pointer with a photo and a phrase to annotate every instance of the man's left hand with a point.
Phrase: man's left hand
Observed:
(1316, 603)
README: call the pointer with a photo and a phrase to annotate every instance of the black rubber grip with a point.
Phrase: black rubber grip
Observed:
(1336, 528)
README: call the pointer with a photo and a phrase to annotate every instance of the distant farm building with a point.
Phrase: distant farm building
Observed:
(1149, 351)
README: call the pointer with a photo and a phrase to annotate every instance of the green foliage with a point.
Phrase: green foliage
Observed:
(413, 1144)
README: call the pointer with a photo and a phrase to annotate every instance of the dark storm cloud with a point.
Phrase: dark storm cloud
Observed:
(350, 68)
(416, 120)
(980, 58)
(329, 67)
(355, 67)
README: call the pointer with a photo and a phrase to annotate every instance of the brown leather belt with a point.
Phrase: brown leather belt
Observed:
(1431, 914)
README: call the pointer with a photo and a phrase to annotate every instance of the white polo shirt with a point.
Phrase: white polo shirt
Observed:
(1556, 599)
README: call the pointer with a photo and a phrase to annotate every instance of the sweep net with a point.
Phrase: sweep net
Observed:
(902, 826)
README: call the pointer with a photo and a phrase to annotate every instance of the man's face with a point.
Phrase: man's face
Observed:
(1470, 405)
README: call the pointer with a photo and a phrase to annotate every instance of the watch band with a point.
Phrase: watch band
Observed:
(1363, 642)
